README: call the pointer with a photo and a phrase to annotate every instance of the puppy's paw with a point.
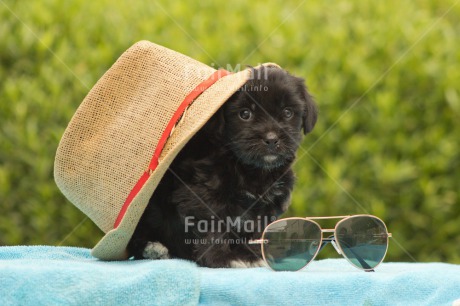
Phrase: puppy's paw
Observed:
(238, 264)
(247, 264)
(258, 263)
(155, 250)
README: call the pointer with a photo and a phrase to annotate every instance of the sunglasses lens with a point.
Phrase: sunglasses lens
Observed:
(291, 244)
(363, 240)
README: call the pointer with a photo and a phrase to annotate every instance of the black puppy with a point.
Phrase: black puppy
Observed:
(232, 178)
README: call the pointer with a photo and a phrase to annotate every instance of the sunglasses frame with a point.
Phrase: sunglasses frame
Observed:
(323, 241)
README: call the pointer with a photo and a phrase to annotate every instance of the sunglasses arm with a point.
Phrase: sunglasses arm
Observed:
(331, 239)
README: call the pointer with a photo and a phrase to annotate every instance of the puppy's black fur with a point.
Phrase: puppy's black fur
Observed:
(237, 166)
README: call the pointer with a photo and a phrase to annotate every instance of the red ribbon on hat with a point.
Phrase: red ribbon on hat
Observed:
(192, 96)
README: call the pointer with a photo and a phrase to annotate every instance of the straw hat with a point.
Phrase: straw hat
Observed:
(128, 130)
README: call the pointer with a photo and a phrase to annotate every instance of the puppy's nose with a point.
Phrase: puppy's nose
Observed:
(271, 140)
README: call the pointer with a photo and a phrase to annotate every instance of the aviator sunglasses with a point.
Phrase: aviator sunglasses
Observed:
(290, 244)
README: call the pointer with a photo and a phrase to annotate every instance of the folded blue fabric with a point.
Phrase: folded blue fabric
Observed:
(70, 276)
(334, 282)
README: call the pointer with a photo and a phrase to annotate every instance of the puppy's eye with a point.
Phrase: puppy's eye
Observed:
(245, 114)
(288, 113)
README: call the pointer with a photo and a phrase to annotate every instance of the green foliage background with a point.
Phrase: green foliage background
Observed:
(385, 75)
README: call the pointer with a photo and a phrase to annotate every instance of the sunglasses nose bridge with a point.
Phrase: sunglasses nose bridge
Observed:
(327, 230)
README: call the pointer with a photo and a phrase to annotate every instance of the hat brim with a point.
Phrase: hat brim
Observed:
(113, 245)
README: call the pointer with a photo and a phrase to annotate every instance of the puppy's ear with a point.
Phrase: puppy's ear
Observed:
(215, 127)
(310, 111)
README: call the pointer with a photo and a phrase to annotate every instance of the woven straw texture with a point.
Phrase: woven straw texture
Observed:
(110, 140)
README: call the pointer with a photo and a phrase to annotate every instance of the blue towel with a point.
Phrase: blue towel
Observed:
(70, 276)
(334, 282)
